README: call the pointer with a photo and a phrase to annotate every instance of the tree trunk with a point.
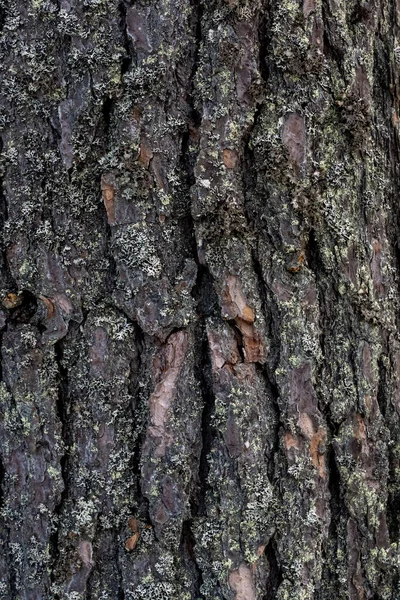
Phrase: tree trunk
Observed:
(200, 286)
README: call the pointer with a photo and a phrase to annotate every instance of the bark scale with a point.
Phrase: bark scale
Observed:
(200, 357)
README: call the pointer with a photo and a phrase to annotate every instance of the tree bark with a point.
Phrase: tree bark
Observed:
(200, 285)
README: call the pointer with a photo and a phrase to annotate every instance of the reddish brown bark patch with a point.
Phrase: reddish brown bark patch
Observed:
(241, 582)
(291, 441)
(294, 138)
(295, 262)
(132, 541)
(235, 307)
(230, 158)
(171, 362)
(49, 305)
(86, 553)
(223, 348)
(235, 303)
(317, 456)
(12, 300)
(145, 154)
(108, 193)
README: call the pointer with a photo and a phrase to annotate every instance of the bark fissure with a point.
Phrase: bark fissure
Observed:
(268, 370)
(264, 28)
(221, 415)
(138, 404)
(62, 413)
(188, 542)
(121, 591)
(207, 433)
(8, 283)
(203, 291)
(275, 576)
(128, 58)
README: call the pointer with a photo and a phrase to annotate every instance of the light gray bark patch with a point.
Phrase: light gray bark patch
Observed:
(137, 28)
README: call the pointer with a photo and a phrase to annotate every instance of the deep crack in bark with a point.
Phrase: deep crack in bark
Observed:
(127, 59)
(62, 401)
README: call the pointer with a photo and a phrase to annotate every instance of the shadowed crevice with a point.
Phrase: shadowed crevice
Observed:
(106, 111)
(264, 38)
(6, 281)
(62, 413)
(139, 399)
(207, 306)
(143, 504)
(121, 591)
(127, 59)
(382, 386)
(275, 576)
(337, 511)
(268, 370)
(203, 292)
(332, 51)
(188, 543)
(273, 449)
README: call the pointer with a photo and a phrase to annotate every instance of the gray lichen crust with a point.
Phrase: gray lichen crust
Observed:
(199, 287)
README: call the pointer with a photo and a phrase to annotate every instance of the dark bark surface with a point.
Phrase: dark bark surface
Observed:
(200, 283)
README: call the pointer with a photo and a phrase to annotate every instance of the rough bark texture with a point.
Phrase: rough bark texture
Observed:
(200, 285)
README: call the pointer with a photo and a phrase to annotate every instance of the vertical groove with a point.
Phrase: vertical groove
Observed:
(62, 411)
(207, 303)
(127, 59)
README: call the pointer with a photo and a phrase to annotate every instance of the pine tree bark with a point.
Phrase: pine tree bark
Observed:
(200, 285)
